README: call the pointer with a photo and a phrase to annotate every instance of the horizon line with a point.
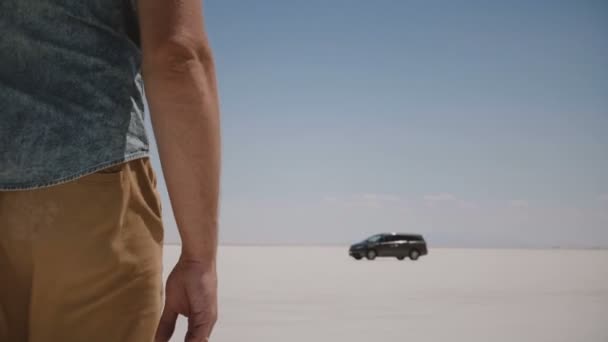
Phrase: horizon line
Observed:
(438, 246)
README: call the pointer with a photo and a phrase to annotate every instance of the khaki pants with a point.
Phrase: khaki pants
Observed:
(82, 261)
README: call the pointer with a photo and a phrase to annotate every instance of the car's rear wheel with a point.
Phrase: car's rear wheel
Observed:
(414, 254)
(401, 257)
(371, 254)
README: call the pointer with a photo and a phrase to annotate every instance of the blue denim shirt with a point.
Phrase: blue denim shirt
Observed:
(71, 92)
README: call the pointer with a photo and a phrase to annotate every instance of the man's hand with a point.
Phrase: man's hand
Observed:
(191, 291)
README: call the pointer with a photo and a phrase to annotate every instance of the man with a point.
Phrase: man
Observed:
(80, 217)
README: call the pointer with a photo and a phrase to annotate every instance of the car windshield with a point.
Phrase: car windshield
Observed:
(374, 238)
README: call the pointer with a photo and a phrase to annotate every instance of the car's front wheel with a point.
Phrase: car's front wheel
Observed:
(401, 257)
(357, 257)
(414, 254)
(371, 254)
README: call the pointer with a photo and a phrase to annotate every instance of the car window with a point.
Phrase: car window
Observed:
(392, 238)
(375, 238)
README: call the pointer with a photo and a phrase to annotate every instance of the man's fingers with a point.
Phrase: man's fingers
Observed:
(199, 327)
(166, 326)
(199, 333)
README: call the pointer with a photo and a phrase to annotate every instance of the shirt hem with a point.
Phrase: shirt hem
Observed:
(85, 172)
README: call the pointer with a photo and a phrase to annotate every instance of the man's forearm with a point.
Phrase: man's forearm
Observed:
(182, 95)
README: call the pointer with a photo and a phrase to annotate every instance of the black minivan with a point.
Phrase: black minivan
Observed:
(396, 245)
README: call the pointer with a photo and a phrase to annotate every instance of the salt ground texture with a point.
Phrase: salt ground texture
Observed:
(297, 294)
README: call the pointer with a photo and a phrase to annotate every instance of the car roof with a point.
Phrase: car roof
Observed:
(401, 234)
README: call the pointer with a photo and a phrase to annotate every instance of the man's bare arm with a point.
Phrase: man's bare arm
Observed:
(179, 76)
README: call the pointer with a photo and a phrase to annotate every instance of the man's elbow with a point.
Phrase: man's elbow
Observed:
(178, 56)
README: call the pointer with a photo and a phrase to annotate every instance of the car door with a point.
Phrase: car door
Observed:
(398, 246)
(383, 246)
(389, 246)
(402, 246)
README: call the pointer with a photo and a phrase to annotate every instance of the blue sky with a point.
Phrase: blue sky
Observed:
(476, 123)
